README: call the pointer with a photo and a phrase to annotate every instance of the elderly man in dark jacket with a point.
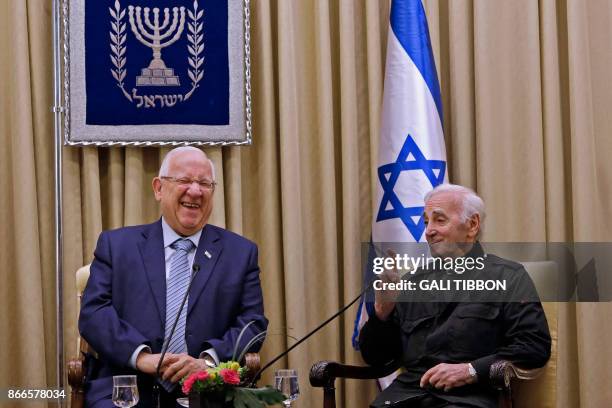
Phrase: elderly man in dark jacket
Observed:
(447, 347)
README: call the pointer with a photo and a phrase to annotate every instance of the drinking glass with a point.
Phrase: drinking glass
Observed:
(286, 381)
(125, 391)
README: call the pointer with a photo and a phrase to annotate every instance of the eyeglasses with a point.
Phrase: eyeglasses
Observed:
(186, 182)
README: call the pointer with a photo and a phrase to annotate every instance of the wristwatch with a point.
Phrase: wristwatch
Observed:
(209, 361)
(472, 371)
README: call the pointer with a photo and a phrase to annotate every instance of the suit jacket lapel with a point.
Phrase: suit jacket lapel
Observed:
(152, 252)
(209, 243)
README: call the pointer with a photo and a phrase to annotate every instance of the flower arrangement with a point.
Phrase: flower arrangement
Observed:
(222, 384)
(214, 379)
(226, 383)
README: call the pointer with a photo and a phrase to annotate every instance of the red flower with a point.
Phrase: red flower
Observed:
(188, 383)
(201, 375)
(197, 376)
(230, 376)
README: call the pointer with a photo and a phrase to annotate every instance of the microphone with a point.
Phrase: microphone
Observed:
(164, 350)
(315, 330)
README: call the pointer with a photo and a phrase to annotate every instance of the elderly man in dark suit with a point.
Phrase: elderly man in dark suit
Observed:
(448, 347)
(140, 274)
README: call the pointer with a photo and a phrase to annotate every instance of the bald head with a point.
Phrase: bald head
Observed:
(163, 169)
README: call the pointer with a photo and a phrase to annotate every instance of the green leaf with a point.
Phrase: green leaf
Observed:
(243, 398)
(267, 395)
(246, 326)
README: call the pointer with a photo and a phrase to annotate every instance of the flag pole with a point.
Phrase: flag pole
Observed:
(57, 116)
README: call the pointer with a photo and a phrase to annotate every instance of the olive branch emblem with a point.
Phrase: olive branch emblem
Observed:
(118, 46)
(195, 47)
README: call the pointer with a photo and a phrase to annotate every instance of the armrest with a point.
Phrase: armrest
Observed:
(76, 378)
(252, 362)
(324, 373)
(77, 371)
(502, 372)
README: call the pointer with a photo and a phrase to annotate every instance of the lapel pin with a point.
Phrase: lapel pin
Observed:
(208, 255)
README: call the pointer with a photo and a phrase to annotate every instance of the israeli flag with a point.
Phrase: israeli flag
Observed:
(412, 157)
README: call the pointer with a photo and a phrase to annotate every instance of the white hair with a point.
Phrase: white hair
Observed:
(163, 169)
(471, 203)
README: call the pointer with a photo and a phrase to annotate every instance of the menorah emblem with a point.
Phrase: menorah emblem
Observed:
(157, 74)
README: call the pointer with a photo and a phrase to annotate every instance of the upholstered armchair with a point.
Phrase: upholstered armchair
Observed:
(76, 367)
(324, 373)
(525, 388)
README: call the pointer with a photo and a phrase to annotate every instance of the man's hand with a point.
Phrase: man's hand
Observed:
(147, 362)
(177, 366)
(384, 300)
(447, 376)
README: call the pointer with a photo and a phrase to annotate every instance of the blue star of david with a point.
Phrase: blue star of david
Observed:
(388, 175)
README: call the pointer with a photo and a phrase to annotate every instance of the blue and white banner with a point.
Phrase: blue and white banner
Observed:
(157, 71)
(411, 156)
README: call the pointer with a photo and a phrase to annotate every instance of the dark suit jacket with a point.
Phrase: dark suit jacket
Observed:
(124, 303)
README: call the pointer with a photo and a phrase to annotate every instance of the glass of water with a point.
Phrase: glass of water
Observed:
(286, 381)
(125, 391)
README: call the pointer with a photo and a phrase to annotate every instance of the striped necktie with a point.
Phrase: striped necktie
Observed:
(177, 284)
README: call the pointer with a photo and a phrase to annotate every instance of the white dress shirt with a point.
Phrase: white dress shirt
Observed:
(170, 236)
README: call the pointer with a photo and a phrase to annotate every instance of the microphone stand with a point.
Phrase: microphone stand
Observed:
(319, 327)
(164, 350)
